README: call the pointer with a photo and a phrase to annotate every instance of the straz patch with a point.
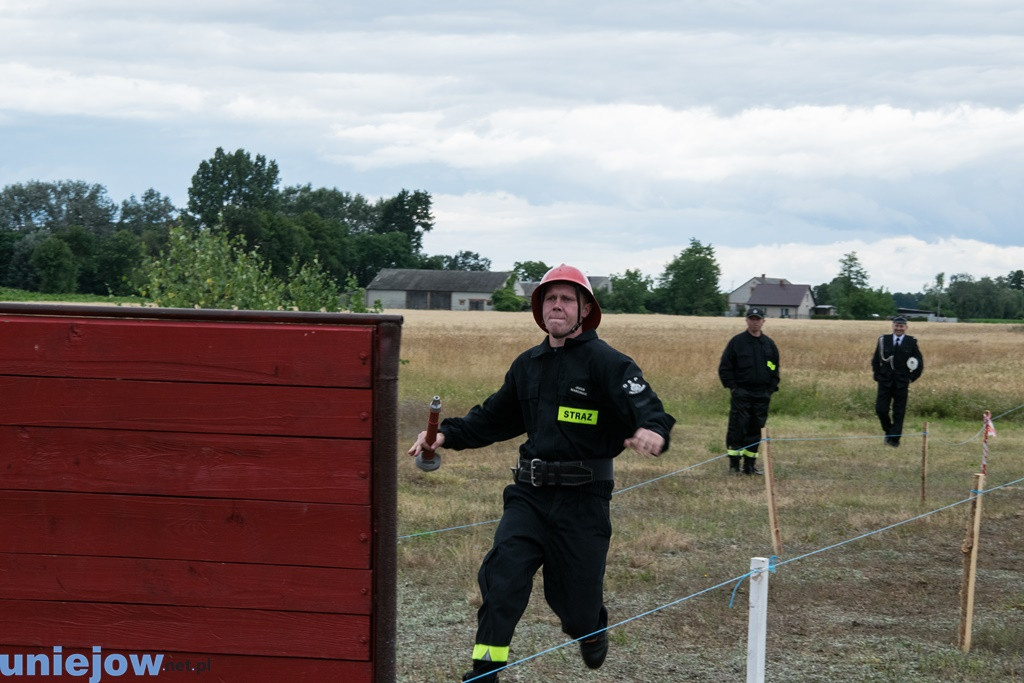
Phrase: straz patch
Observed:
(577, 415)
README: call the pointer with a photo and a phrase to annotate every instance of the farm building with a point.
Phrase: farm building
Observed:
(783, 300)
(739, 298)
(597, 282)
(445, 290)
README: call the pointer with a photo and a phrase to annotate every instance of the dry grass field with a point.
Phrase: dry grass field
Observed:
(868, 579)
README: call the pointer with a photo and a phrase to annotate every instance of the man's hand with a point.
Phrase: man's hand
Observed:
(421, 443)
(646, 442)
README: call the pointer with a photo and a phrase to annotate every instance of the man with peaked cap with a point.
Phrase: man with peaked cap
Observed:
(896, 363)
(749, 369)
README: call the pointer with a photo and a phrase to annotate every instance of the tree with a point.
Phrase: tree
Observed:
(83, 246)
(935, 295)
(351, 210)
(20, 273)
(464, 260)
(117, 259)
(530, 271)
(629, 293)
(408, 213)
(506, 299)
(203, 269)
(153, 211)
(232, 180)
(369, 253)
(984, 298)
(55, 266)
(279, 238)
(1015, 280)
(852, 272)
(689, 284)
(850, 293)
(52, 206)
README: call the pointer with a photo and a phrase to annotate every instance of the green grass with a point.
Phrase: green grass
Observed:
(19, 295)
(861, 596)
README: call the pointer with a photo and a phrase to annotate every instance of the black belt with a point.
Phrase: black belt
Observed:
(553, 473)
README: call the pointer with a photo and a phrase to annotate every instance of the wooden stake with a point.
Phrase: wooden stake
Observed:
(924, 463)
(970, 561)
(769, 483)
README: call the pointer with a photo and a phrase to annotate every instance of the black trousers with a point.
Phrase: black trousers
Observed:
(567, 531)
(891, 397)
(747, 415)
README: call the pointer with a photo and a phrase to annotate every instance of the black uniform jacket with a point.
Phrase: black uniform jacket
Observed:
(750, 364)
(577, 402)
(894, 369)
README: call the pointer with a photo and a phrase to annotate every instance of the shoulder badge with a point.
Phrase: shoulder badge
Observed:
(634, 386)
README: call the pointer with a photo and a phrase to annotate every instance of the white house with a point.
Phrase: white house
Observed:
(783, 300)
(739, 297)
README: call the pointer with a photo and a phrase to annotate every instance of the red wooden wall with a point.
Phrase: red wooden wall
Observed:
(214, 486)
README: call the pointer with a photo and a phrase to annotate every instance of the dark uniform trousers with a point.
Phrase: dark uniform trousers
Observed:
(893, 394)
(567, 529)
(748, 413)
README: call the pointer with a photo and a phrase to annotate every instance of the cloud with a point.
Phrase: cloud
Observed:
(507, 229)
(783, 133)
(899, 264)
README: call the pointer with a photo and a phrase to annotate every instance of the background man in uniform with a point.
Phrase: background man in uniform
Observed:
(896, 363)
(749, 369)
(580, 403)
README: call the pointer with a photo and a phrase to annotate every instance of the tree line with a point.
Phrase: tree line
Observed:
(71, 237)
(243, 241)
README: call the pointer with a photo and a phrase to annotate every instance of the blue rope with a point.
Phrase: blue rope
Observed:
(773, 563)
(451, 528)
(771, 568)
(719, 457)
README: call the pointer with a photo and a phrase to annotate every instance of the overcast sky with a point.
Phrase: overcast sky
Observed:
(784, 133)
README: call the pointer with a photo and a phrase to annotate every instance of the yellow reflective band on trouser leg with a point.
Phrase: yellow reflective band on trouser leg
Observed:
(733, 452)
(490, 653)
(748, 454)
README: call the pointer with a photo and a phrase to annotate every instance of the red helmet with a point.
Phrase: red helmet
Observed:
(570, 276)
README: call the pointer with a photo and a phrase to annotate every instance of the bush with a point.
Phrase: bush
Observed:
(204, 269)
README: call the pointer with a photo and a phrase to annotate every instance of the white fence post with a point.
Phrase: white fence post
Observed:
(757, 627)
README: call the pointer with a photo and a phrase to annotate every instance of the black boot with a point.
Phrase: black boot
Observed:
(481, 672)
(594, 650)
(734, 464)
(749, 465)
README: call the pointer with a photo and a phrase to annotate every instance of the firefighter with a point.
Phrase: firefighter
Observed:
(580, 403)
(895, 364)
(749, 369)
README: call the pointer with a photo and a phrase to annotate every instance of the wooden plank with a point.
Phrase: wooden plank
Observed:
(307, 355)
(188, 583)
(213, 465)
(209, 668)
(262, 532)
(149, 628)
(182, 407)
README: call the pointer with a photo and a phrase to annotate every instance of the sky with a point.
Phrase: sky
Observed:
(605, 134)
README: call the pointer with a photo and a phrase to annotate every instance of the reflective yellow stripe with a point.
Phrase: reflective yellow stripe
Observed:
(771, 365)
(577, 415)
(732, 452)
(490, 653)
(748, 454)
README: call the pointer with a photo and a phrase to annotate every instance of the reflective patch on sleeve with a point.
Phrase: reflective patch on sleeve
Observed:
(577, 415)
(771, 365)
